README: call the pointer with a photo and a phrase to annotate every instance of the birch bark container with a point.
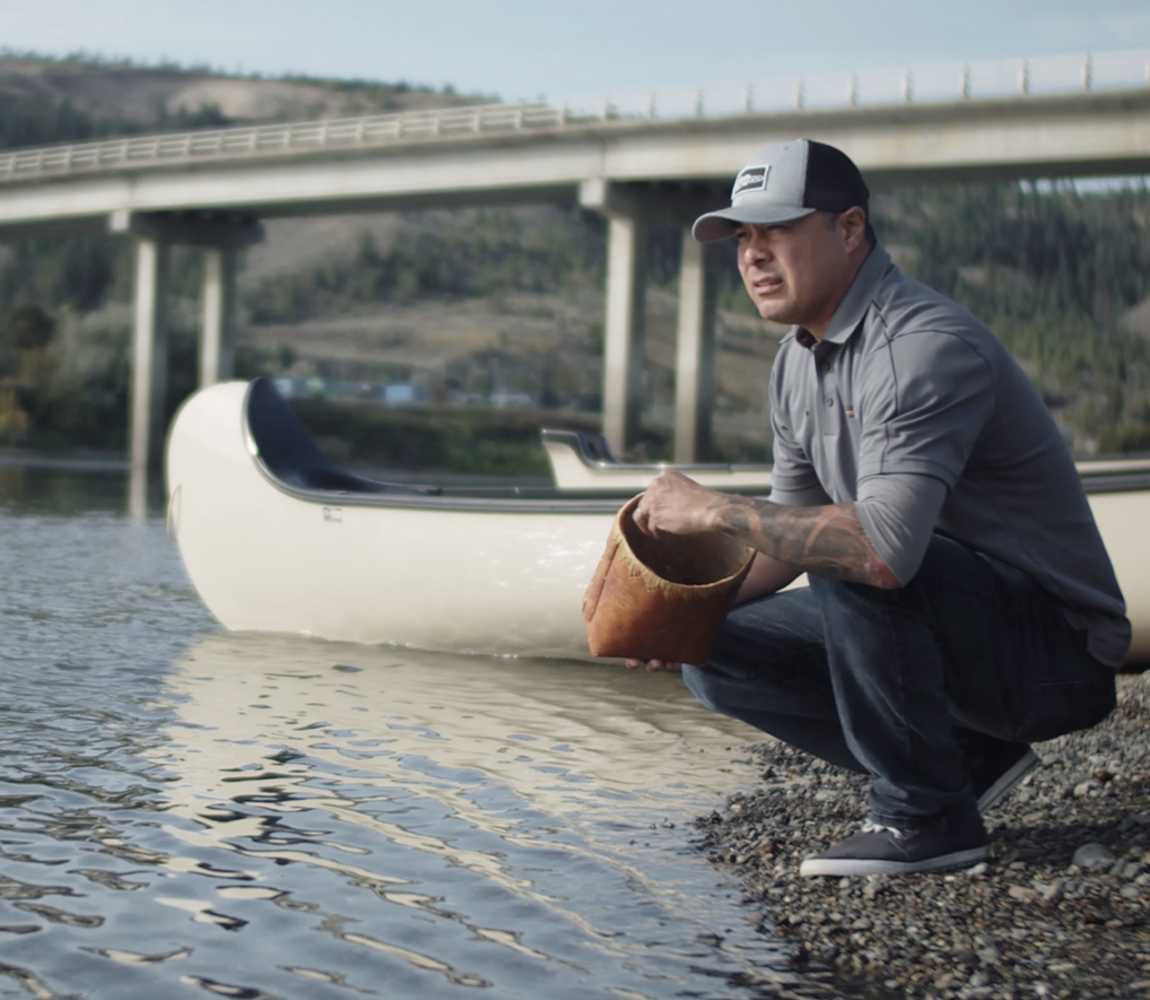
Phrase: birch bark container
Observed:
(661, 598)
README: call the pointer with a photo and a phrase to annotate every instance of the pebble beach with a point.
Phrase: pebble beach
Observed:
(1060, 910)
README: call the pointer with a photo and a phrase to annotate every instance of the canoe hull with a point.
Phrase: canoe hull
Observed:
(264, 560)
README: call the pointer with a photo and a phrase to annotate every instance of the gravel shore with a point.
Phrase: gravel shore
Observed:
(1062, 909)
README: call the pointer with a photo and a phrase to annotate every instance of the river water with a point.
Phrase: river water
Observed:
(187, 812)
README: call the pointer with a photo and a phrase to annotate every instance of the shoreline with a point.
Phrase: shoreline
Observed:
(74, 459)
(1061, 910)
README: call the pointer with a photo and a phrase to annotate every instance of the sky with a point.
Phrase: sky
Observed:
(518, 49)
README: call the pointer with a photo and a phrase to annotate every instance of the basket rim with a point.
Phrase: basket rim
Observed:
(651, 577)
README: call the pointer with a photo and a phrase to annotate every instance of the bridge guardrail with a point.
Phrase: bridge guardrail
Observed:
(1019, 78)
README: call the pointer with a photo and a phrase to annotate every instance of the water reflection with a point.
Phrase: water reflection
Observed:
(46, 485)
(456, 822)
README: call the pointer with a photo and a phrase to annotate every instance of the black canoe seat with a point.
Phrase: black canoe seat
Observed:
(289, 454)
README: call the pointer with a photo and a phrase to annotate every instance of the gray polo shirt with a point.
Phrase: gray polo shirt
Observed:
(907, 383)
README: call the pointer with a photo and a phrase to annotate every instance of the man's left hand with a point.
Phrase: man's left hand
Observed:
(676, 505)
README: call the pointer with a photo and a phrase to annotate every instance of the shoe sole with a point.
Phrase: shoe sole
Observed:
(1007, 780)
(874, 866)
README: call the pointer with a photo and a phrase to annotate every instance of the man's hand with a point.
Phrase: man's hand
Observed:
(674, 504)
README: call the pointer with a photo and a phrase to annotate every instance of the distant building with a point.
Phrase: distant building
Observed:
(511, 400)
(402, 394)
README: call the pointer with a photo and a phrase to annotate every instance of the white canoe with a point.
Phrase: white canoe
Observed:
(582, 460)
(275, 538)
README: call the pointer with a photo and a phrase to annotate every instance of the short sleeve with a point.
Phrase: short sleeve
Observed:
(898, 513)
(925, 399)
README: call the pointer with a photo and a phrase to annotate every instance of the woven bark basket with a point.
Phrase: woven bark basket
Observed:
(661, 598)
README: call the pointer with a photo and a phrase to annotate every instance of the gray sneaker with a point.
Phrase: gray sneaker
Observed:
(951, 840)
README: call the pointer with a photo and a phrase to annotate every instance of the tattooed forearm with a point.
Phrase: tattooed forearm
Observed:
(826, 540)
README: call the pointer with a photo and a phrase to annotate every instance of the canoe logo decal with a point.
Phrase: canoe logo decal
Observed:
(333, 514)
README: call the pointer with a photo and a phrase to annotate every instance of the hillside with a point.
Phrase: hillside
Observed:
(47, 100)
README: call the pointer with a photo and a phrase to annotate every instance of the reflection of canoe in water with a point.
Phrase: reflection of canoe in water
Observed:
(278, 539)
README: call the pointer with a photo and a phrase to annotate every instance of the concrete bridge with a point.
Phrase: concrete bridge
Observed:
(661, 158)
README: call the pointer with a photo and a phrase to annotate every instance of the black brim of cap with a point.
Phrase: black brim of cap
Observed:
(721, 225)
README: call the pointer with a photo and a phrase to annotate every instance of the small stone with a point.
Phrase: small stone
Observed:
(978, 870)
(1084, 789)
(1049, 892)
(1022, 894)
(988, 955)
(1093, 856)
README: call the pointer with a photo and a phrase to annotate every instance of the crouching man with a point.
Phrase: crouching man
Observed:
(961, 603)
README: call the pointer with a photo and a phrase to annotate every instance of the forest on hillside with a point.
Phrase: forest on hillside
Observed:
(1061, 273)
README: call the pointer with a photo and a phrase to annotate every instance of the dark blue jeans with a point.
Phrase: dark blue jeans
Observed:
(908, 685)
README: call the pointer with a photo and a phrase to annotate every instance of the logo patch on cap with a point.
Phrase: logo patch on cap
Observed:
(750, 179)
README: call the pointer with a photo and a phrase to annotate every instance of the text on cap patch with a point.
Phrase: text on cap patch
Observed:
(751, 179)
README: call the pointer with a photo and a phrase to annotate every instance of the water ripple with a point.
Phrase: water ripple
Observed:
(184, 812)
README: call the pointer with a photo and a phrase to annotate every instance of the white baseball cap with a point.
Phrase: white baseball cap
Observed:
(786, 181)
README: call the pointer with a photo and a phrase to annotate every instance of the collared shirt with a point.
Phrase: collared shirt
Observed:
(906, 382)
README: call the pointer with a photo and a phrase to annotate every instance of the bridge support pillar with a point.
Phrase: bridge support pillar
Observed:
(149, 353)
(624, 331)
(220, 235)
(695, 351)
(623, 339)
(217, 329)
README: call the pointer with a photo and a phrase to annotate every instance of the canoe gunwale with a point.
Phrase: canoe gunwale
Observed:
(494, 499)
